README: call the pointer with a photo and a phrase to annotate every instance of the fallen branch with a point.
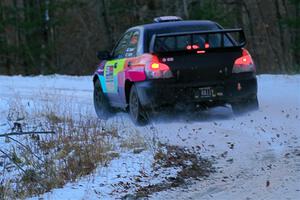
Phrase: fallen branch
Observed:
(26, 148)
(12, 160)
(18, 166)
(25, 133)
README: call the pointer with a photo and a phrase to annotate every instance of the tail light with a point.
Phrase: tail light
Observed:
(157, 70)
(244, 63)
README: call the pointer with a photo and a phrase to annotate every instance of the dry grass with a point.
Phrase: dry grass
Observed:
(80, 144)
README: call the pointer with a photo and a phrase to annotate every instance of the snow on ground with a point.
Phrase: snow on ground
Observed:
(261, 147)
(257, 156)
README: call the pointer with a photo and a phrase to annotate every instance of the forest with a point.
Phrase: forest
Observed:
(63, 36)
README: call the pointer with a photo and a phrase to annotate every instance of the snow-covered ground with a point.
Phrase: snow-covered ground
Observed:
(256, 156)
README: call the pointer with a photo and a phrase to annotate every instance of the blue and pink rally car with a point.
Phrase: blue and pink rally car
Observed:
(173, 61)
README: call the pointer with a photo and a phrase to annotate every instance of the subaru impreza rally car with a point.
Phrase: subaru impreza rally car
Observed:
(173, 61)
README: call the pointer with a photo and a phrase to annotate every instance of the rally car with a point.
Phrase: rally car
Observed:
(172, 61)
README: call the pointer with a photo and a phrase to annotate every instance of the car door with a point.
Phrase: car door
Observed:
(113, 67)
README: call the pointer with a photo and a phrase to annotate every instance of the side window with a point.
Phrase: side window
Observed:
(132, 47)
(120, 49)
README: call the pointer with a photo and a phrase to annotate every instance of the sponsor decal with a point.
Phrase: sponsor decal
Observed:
(109, 77)
(170, 59)
(111, 73)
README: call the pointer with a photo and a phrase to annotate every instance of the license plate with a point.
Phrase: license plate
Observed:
(204, 93)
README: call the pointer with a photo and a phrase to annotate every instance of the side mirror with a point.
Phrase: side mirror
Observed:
(103, 55)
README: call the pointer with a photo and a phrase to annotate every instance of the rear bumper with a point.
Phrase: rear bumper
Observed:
(153, 93)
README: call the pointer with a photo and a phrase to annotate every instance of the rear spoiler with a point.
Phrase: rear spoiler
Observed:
(238, 44)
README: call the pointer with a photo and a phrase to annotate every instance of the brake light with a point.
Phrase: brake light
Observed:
(206, 45)
(201, 52)
(191, 47)
(195, 46)
(156, 70)
(244, 63)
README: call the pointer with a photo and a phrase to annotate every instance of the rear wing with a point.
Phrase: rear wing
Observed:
(213, 39)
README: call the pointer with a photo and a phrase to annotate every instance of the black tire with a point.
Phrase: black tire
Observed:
(137, 113)
(101, 104)
(245, 106)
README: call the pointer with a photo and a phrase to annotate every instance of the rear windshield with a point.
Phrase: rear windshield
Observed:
(187, 42)
(177, 29)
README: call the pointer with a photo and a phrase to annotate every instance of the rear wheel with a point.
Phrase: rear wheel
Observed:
(245, 106)
(101, 104)
(137, 112)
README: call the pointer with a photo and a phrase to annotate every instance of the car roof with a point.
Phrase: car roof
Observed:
(154, 26)
(165, 25)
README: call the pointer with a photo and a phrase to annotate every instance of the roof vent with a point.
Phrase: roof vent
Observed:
(167, 19)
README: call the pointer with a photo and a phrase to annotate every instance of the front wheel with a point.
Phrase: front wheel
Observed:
(245, 106)
(101, 104)
(136, 111)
